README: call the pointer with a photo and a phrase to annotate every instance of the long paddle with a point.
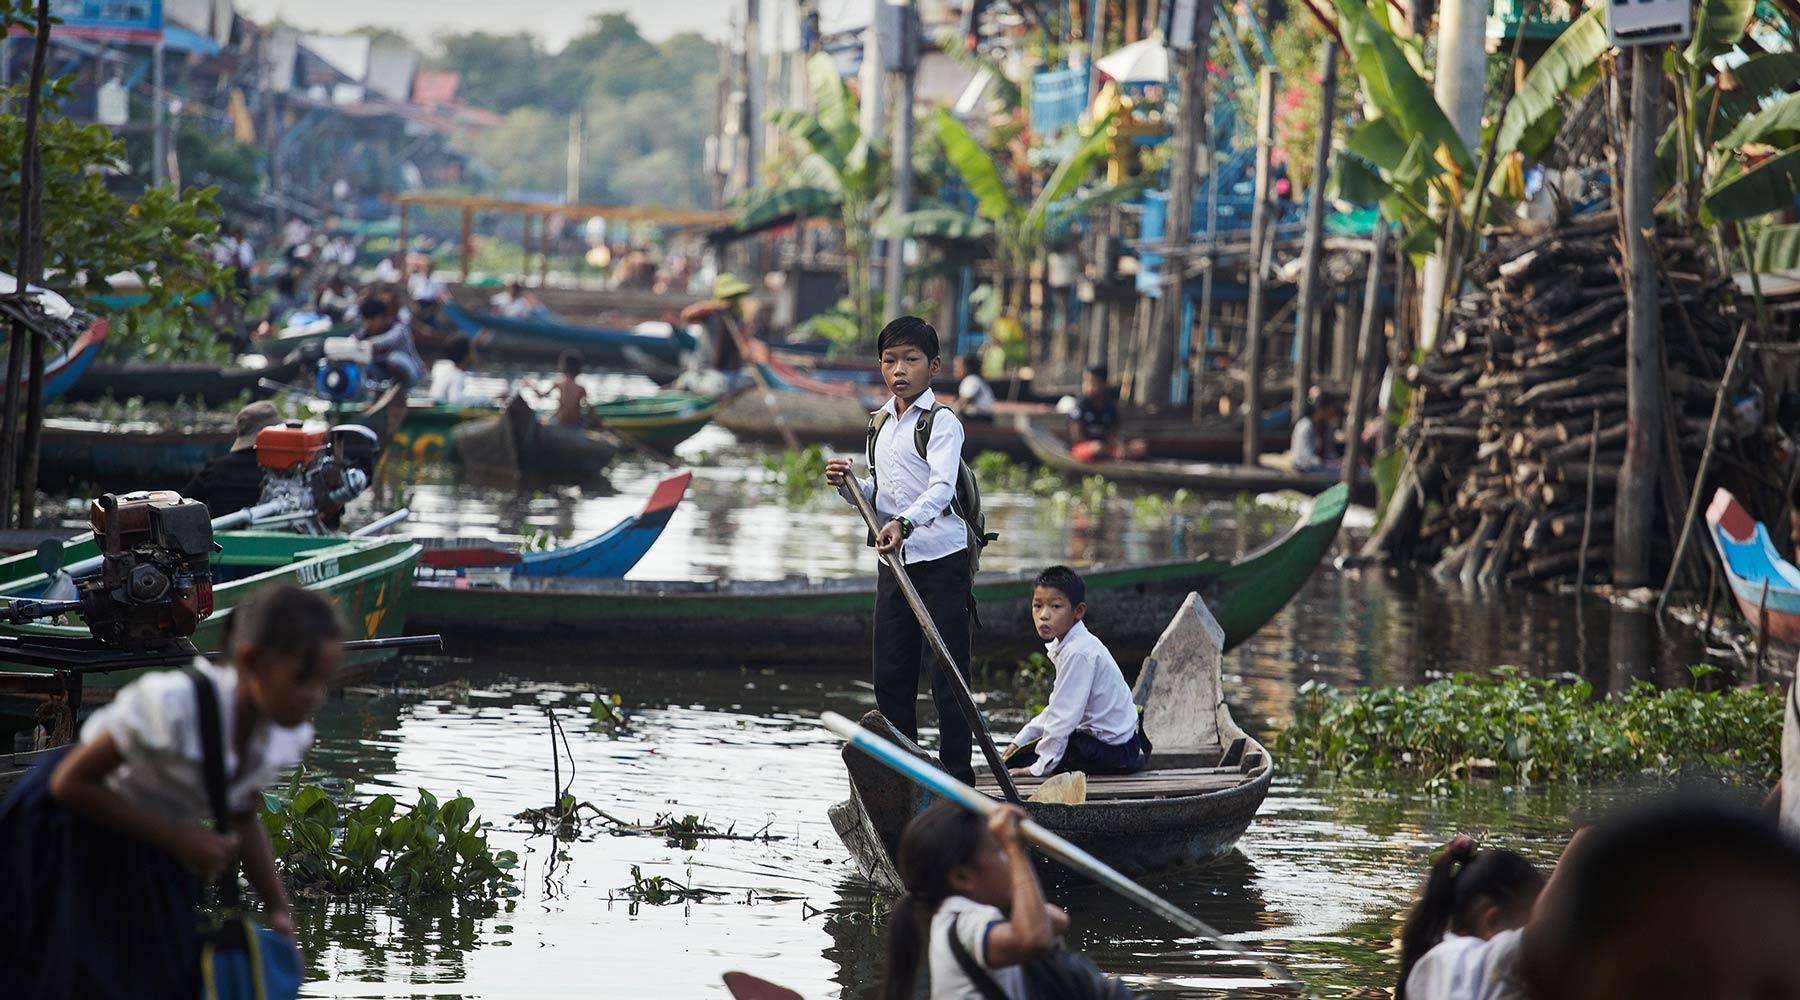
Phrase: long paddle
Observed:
(939, 783)
(945, 662)
(768, 391)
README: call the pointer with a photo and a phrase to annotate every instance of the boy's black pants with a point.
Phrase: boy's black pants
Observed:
(943, 584)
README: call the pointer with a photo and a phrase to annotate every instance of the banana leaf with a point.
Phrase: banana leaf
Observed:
(1759, 77)
(977, 169)
(1767, 187)
(805, 127)
(1717, 28)
(1778, 248)
(1070, 173)
(1565, 71)
(933, 224)
(836, 109)
(1776, 125)
(1393, 85)
(762, 206)
(1353, 180)
(1378, 142)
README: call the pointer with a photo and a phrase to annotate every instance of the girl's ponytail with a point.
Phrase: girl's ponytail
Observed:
(934, 843)
(1430, 916)
(907, 932)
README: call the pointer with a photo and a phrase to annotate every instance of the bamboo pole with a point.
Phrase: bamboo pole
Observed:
(1643, 360)
(1306, 320)
(466, 244)
(1587, 515)
(1366, 347)
(1706, 454)
(1267, 82)
(30, 272)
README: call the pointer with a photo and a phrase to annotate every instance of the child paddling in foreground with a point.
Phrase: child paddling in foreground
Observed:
(106, 850)
(1090, 724)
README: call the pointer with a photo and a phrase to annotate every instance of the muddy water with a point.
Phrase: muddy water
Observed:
(1316, 884)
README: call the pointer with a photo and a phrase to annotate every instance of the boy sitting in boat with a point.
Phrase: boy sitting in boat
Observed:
(1091, 723)
(571, 398)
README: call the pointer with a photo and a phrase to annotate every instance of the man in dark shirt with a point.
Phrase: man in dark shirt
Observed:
(233, 481)
(1094, 425)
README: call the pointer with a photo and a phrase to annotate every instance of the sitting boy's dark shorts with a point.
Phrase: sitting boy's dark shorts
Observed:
(1088, 754)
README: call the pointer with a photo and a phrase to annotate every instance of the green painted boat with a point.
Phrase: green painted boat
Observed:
(369, 579)
(661, 422)
(828, 622)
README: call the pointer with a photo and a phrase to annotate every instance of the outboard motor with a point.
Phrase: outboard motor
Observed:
(155, 583)
(316, 470)
(341, 372)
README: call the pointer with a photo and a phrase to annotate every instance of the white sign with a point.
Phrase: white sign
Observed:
(1648, 22)
(111, 107)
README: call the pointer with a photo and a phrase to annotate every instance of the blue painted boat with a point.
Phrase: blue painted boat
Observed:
(542, 335)
(1761, 581)
(607, 556)
(119, 458)
(66, 368)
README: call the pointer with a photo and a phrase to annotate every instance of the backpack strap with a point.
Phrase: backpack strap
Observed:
(979, 977)
(876, 419)
(922, 441)
(212, 755)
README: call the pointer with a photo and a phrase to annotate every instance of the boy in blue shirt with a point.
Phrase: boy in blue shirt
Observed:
(912, 495)
(1091, 723)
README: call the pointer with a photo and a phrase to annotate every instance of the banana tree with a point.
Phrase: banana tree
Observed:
(842, 174)
(1020, 226)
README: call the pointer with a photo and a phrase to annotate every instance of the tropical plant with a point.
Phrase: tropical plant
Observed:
(1020, 226)
(427, 850)
(843, 174)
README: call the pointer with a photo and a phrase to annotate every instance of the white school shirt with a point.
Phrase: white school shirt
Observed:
(1468, 968)
(974, 391)
(919, 489)
(970, 922)
(155, 721)
(1090, 696)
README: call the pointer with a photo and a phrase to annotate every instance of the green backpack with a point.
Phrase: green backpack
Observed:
(966, 504)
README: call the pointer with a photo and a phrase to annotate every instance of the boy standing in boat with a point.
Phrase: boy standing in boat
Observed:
(912, 494)
(1091, 723)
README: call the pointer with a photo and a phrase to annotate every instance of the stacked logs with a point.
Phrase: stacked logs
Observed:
(1520, 424)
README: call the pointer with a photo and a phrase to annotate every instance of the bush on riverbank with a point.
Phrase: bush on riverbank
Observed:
(1532, 729)
(425, 850)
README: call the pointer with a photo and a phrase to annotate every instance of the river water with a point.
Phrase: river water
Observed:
(1317, 883)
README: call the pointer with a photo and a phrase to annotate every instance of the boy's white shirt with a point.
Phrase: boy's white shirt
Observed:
(919, 490)
(1090, 695)
(155, 722)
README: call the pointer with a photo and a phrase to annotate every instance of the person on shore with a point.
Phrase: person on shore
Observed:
(974, 397)
(390, 340)
(1094, 431)
(915, 457)
(1471, 897)
(1090, 724)
(233, 481)
(100, 882)
(571, 398)
(973, 908)
(1313, 447)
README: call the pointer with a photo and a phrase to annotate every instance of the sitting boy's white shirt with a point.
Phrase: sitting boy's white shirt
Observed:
(1467, 968)
(1090, 695)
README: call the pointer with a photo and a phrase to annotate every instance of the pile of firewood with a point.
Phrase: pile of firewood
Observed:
(1520, 420)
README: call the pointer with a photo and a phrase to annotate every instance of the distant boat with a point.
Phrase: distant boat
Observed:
(661, 421)
(66, 368)
(606, 556)
(544, 336)
(162, 382)
(1200, 477)
(1760, 579)
(514, 447)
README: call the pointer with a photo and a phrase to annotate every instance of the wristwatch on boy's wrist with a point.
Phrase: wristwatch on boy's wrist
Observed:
(906, 527)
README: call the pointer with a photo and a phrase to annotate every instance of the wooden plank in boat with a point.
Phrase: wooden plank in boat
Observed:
(1143, 785)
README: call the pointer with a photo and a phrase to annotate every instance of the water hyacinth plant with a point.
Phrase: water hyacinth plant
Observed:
(426, 850)
(1529, 729)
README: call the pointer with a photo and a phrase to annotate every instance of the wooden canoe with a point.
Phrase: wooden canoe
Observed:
(545, 337)
(1200, 477)
(514, 447)
(606, 556)
(156, 382)
(112, 457)
(807, 621)
(661, 421)
(1761, 581)
(1206, 781)
(843, 422)
(369, 579)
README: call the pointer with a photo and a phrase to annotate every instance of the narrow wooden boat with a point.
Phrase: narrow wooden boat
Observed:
(64, 370)
(606, 556)
(290, 339)
(119, 457)
(1200, 477)
(806, 621)
(661, 421)
(155, 382)
(1206, 781)
(369, 579)
(841, 421)
(515, 447)
(1761, 581)
(544, 336)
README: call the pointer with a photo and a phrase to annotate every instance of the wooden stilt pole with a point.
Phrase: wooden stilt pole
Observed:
(1306, 320)
(1643, 360)
(1267, 83)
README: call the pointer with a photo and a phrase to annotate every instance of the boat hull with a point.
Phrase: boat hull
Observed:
(544, 338)
(201, 385)
(1764, 585)
(369, 580)
(660, 422)
(815, 622)
(1197, 477)
(118, 459)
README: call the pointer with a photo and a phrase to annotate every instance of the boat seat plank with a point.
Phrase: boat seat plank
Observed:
(1143, 785)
